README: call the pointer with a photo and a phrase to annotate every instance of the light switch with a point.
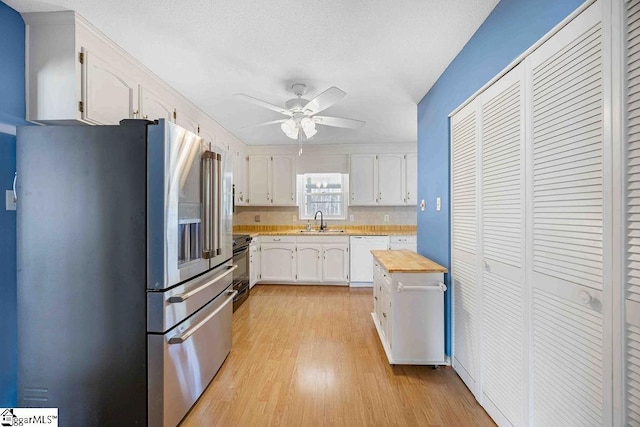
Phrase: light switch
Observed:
(10, 201)
(423, 205)
(386, 218)
(351, 218)
(438, 204)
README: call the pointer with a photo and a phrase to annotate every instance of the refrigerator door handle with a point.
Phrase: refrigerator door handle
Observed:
(183, 297)
(219, 204)
(180, 338)
(206, 178)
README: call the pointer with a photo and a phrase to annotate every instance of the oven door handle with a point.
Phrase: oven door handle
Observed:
(183, 297)
(180, 338)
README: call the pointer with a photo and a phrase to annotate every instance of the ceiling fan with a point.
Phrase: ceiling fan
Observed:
(302, 121)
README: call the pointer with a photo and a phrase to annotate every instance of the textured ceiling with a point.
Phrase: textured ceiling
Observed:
(385, 55)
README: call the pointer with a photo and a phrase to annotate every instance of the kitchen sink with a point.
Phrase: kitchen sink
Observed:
(322, 231)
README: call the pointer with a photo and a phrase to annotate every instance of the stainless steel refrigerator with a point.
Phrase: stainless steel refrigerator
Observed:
(124, 270)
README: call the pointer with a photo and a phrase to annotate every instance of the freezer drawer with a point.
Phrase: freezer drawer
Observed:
(183, 361)
(167, 309)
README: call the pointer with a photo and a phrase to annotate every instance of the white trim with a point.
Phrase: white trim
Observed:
(607, 216)
(619, 168)
(526, 53)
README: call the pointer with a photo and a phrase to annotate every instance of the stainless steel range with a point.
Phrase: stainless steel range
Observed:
(241, 244)
(124, 271)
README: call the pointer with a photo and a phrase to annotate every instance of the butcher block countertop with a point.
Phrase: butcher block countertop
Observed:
(362, 230)
(405, 261)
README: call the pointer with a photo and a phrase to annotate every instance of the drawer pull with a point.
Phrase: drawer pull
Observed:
(180, 338)
(186, 295)
(440, 287)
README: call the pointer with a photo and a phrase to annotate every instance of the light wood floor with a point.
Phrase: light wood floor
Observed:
(310, 356)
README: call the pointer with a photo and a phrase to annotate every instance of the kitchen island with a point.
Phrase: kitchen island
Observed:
(408, 299)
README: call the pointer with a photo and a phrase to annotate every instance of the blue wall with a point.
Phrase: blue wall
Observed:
(12, 113)
(511, 28)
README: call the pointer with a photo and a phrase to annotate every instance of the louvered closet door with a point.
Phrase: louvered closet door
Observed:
(570, 384)
(502, 220)
(632, 330)
(464, 263)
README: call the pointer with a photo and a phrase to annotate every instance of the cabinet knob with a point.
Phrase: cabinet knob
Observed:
(375, 298)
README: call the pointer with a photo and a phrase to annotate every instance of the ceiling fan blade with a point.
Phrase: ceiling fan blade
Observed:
(323, 101)
(273, 122)
(338, 122)
(262, 103)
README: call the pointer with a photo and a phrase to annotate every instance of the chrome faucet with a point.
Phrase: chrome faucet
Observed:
(315, 217)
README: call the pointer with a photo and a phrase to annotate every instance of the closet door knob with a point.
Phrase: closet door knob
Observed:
(584, 297)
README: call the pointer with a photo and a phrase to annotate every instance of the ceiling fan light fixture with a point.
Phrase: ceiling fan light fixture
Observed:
(308, 125)
(309, 134)
(290, 128)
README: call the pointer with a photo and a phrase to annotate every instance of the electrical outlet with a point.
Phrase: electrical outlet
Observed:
(386, 218)
(10, 201)
(352, 218)
(256, 218)
(438, 203)
(294, 218)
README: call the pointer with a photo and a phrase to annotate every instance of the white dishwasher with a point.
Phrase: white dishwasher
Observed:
(361, 260)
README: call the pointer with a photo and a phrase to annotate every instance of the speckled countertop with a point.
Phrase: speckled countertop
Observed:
(358, 230)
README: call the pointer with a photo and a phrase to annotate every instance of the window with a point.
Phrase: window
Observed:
(326, 192)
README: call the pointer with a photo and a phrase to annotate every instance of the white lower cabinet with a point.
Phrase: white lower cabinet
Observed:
(331, 264)
(335, 263)
(304, 259)
(277, 259)
(254, 261)
(309, 262)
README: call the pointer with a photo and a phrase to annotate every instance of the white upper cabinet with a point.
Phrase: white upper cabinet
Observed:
(272, 180)
(259, 180)
(156, 104)
(110, 94)
(76, 74)
(241, 178)
(380, 179)
(67, 66)
(188, 117)
(283, 180)
(411, 174)
(363, 180)
(391, 179)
